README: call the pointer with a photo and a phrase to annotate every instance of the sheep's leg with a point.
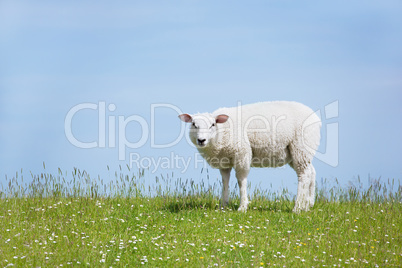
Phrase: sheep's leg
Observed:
(242, 181)
(305, 188)
(312, 186)
(225, 186)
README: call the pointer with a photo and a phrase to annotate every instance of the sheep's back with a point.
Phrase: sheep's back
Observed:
(267, 128)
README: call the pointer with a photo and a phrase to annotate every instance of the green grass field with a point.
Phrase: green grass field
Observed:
(49, 222)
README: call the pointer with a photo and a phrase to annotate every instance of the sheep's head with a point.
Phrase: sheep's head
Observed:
(203, 127)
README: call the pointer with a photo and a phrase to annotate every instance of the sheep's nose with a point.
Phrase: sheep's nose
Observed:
(201, 141)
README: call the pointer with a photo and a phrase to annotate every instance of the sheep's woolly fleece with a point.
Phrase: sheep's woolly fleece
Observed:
(265, 134)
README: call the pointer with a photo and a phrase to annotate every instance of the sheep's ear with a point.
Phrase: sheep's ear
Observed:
(186, 118)
(222, 118)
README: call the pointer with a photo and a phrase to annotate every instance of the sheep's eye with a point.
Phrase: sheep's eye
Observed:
(212, 125)
(194, 125)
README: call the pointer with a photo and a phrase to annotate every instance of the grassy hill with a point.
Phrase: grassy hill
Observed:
(50, 222)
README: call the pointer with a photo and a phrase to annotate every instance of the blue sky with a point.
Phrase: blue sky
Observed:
(198, 56)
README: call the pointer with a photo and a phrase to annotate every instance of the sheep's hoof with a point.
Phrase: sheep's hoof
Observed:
(223, 205)
(242, 209)
(298, 210)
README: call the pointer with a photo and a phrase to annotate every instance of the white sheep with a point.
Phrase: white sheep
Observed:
(265, 134)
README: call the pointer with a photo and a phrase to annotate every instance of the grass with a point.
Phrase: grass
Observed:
(55, 222)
